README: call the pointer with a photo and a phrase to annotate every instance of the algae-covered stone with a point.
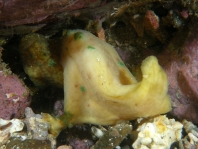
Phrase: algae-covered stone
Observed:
(41, 60)
(113, 136)
(29, 143)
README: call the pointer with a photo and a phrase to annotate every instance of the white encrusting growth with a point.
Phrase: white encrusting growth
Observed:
(158, 133)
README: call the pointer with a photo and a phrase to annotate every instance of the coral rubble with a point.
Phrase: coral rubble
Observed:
(190, 141)
(36, 127)
(12, 132)
(158, 132)
(113, 136)
(8, 128)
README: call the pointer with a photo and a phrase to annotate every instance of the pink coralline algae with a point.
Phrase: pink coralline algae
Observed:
(182, 73)
(184, 14)
(14, 96)
(151, 20)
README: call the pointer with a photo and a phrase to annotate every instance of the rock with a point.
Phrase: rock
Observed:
(181, 65)
(8, 128)
(14, 95)
(158, 132)
(31, 130)
(29, 143)
(59, 107)
(36, 126)
(113, 136)
(32, 11)
(191, 139)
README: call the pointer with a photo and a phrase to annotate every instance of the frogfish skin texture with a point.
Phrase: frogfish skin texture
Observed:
(99, 88)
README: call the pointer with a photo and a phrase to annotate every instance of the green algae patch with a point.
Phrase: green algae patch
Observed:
(78, 35)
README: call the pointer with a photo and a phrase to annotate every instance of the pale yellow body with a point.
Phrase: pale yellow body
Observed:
(98, 87)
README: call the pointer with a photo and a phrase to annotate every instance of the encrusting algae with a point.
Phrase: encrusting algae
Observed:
(99, 88)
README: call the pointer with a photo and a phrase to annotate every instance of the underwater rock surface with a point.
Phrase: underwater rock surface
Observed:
(113, 136)
(9, 128)
(14, 95)
(29, 143)
(35, 11)
(182, 69)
